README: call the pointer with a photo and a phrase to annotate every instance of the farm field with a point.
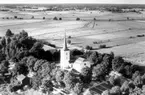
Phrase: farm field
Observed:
(120, 36)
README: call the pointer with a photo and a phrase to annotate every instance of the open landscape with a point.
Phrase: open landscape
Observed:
(72, 49)
(119, 35)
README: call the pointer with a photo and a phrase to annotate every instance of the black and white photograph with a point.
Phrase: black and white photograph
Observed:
(72, 47)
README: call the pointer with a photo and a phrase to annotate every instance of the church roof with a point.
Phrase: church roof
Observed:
(82, 61)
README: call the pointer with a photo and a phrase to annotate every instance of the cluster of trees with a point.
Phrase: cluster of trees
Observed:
(55, 18)
(15, 17)
(78, 19)
(131, 80)
(29, 56)
(21, 45)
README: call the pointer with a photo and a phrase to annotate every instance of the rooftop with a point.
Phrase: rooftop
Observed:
(98, 89)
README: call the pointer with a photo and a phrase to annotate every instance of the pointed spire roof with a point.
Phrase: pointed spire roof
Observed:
(65, 43)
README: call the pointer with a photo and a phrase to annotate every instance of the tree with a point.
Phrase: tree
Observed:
(115, 90)
(137, 73)
(23, 69)
(143, 78)
(143, 89)
(47, 86)
(127, 71)
(69, 81)
(69, 41)
(55, 18)
(138, 81)
(36, 82)
(30, 61)
(43, 17)
(23, 34)
(118, 64)
(112, 80)
(102, 46)
(60, 18)
(125, 87)
(36, 47)
(45, 69)
(88, 47)
(93, 58)
(4, 67)
(59, 76)
(32, 17)
(77, 18)
(9, 33)
(76, 52)
(99, 71)
(78, 88)
(15, 17)
(86, 75)
(38, 64)
(106, 92)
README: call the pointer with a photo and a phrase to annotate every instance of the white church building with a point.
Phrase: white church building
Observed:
(79, 63)
(65, 55)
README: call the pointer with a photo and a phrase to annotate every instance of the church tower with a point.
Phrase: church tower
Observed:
(65, 55)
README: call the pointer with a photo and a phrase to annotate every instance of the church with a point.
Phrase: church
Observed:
(65, 55)
(78, 64)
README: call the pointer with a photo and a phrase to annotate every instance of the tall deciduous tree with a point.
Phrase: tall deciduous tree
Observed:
(78, 89)
(59, 76)
(69, 81)
(9, 33)
(86, 75)
(117, 64)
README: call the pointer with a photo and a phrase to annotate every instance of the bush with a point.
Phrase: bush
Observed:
(77, 18)
(76, 52)
(9, 33)
(131, 37)
(15, 17)
(110, 19)
(55, 18)
(142, 35)
(60, 18)
(69, 37)
(95, 42)
(102, 46)
(69, 41)
(32, 17)
(89, 47)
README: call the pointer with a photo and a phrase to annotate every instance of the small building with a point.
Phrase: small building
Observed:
(81, 63)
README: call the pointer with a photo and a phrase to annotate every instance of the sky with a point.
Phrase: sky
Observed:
(72, 1)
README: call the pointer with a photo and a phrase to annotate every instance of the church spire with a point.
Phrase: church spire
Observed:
(65, 43)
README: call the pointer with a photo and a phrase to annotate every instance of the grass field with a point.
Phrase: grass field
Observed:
(119, 36)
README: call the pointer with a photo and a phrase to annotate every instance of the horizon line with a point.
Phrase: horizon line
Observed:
(75, 3)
